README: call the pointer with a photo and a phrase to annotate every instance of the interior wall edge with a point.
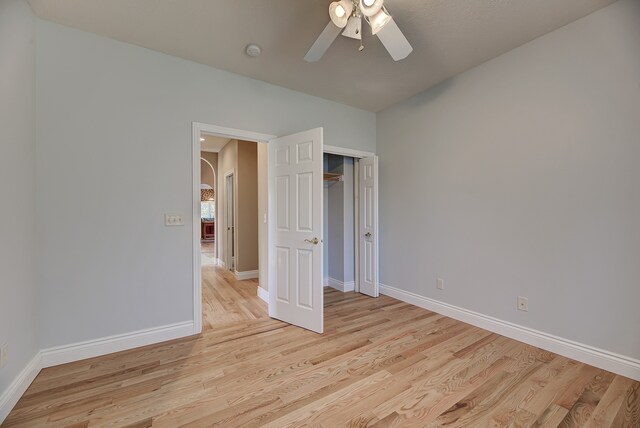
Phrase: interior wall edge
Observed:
(19, 329)
(19, 385)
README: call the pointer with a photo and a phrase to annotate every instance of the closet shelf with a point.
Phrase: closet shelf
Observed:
(329, 176)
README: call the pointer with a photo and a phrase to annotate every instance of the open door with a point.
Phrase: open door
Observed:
(368, 225)
(295, 229)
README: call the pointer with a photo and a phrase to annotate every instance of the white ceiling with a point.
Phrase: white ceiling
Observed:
(212, 143)
(448, 36)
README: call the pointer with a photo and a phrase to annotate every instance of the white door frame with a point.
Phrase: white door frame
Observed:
(238, 134)
(342, 151)
(356, 154)
(196, 129)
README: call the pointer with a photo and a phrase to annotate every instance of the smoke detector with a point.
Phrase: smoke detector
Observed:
(253, 50)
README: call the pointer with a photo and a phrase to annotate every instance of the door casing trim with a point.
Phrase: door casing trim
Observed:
(196, 129)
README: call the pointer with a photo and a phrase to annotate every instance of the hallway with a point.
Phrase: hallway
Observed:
(224, 299)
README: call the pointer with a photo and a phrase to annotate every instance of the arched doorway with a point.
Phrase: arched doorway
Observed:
(208, 210)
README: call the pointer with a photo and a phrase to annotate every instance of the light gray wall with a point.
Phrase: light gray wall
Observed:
(522, 177)
(107, 263)
(18, 316)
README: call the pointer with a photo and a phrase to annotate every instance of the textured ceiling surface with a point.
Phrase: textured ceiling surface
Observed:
(448, 36)
(212, 143)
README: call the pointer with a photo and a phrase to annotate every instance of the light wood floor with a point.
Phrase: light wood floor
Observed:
(225, 300)
(380, 363)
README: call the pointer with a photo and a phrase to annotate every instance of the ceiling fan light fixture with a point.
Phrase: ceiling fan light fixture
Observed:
(340, 11)
(379, 20)
(371, 7)
(346, 18)
(353, 28)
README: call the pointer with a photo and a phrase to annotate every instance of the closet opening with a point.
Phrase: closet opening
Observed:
(339, 223)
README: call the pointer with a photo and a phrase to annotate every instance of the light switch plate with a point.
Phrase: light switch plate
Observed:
(173, 220)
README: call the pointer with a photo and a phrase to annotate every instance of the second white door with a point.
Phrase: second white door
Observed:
(368, 226)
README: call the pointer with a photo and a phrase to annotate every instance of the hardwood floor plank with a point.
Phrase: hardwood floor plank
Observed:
(551, 417)
(583, 408)
(610, 404)
(629, 413)
(481, 402)
(380, 363)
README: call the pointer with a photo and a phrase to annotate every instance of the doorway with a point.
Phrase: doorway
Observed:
(350, 215)
(292, 166)
(230, 284)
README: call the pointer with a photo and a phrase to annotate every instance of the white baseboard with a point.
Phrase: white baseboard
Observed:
(616, 363)
(248, 274)
(108, 345)
(339, 285)
(263, 294)
(14, 391)
(83, 350)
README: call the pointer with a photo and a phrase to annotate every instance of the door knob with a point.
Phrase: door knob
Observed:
(368, 235)
(313, 241)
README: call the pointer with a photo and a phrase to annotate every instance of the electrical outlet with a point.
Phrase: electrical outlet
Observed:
(523, 304)
(4, 355)
(440, 284)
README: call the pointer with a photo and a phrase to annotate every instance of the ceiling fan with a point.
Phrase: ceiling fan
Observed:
(348, 15)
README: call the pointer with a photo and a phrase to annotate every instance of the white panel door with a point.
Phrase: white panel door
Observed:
(295, 229)
(368, 225)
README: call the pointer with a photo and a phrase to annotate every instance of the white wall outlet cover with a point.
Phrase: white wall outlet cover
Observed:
(440, 284)
(173, 220)
(523, 303)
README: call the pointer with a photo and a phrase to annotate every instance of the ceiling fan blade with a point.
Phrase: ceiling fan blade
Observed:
(395, 42)
(326, 38)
